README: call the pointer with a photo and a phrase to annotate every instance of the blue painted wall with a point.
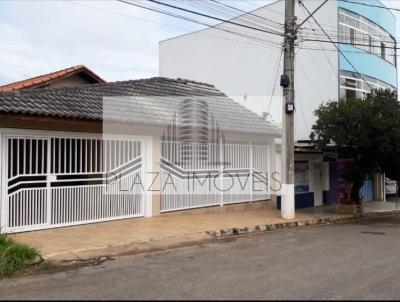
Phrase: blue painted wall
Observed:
(367, 191)
(382, 17)
(368, 64)
(301, 201)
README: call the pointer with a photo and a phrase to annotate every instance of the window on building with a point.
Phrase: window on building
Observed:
(370, 44)
(350, 83)
(364, 34)
(350, 94)
(352, 36)
(354, 85)
(383, 50)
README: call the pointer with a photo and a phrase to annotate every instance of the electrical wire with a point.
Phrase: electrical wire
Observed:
(215, 18)
(326, 55)
(275, 82)
(240, 25)
(248, 13)
(272, 44)
(210, 7)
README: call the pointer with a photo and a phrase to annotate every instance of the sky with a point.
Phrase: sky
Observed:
(117, 41)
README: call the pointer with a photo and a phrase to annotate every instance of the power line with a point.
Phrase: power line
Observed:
(348, 61)
(258, 44)
(262, 30)
(382, 37)
(215, 18)
(276, 80)
(272, 44)
(326, 55)
(124, 15)
(348, 43)
(247, 16)
(247, 26)
(248, 13)
(346, 51)
(254, 38)
(216, 9)
(338, 36)
(299, 100)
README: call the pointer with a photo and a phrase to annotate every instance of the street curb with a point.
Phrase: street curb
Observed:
(167, 243)
(295, 224)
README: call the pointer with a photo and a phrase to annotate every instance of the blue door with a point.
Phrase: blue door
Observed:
(367, 191)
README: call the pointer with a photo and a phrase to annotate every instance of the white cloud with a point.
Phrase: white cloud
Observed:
(43, 36)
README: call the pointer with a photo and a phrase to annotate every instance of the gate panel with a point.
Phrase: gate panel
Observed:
(224, 174)
(27, 200)
(62, 181)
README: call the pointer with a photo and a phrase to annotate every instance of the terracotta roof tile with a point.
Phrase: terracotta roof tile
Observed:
(43, 79)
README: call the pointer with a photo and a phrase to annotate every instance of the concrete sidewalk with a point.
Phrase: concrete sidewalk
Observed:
(142, 234)
(148, 234)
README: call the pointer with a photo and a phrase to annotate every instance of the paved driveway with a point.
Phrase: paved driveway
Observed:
(359, 260)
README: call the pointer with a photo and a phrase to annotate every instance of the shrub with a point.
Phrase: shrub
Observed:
(14, 256)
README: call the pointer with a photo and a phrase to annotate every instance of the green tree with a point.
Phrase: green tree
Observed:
(369, 128)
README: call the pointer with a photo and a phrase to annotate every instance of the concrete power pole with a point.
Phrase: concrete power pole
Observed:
(287, 82)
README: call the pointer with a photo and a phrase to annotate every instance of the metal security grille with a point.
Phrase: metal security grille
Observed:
(60, 181)
(230, 173)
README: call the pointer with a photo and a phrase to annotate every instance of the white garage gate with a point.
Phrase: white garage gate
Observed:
(51, 181)
(195, 175)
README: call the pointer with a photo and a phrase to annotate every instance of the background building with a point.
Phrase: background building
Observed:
(246, 64)
(246, 69)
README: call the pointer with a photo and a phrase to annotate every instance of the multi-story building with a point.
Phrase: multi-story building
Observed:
(246, 69)
(246, 64)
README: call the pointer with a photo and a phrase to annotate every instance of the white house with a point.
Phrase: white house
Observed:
(109, 151)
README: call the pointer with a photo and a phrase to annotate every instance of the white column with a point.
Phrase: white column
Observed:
(271, 168)
(3, 193)
(221, 171)
(251, 170)
(287, 192)
(147, 158)
(287, 201)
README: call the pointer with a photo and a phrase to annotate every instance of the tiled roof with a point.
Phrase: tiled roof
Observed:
(150, 101)
(50, 77)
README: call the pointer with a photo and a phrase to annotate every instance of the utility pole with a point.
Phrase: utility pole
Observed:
(287, 82)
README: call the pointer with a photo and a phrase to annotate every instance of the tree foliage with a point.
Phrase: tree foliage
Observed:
(369, 127)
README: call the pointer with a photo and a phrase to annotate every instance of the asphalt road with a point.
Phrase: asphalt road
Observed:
(352, 261)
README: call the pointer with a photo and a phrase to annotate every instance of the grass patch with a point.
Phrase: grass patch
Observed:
(46, 265)
(14, 256)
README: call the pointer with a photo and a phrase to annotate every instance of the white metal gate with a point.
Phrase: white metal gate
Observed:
(62, 181)
(197, 175)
